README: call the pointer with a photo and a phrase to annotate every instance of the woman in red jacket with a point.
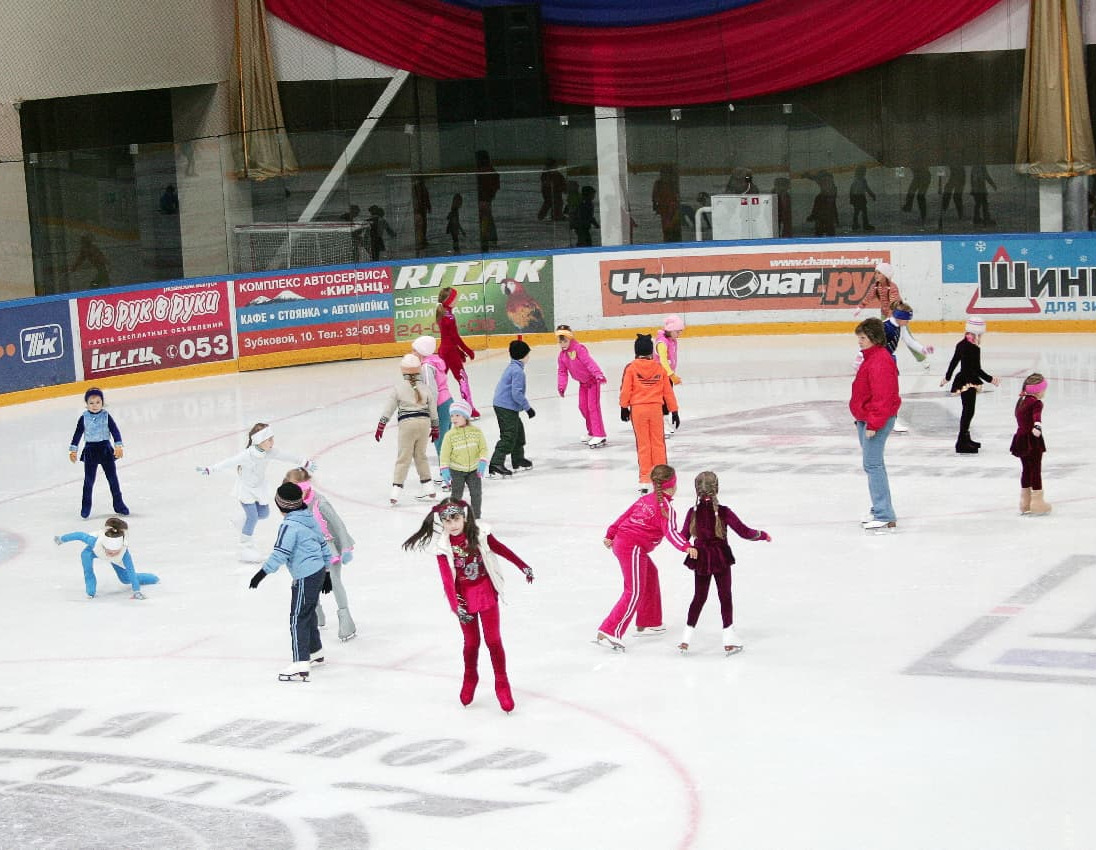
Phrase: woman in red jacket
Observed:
(874, 405)
(453, 349)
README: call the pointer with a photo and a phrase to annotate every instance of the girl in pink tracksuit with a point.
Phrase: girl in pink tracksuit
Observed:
(632, 537)
(575, 360)
(434, 376)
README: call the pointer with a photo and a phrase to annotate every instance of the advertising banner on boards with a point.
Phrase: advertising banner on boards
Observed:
(36, 347)
(498, 296)
(313, 309)
(155, 328)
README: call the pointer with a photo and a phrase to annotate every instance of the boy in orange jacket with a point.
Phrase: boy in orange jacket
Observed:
(645, 392)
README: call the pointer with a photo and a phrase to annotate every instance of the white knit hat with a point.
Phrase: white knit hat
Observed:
(885, 269)
(424, 346)
(410, 363)
(976, 325)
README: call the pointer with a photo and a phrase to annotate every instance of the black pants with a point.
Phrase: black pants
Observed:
(304, 627)
(511, 438)
(97, 454)
(969, 399)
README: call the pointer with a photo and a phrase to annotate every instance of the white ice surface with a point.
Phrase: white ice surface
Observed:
(935, 688)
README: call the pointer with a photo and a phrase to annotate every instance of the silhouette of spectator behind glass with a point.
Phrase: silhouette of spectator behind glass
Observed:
(979, 179)
(859, 192)
(90, 254)
(919, 185)
(824, 209)
(741, 182)
(782, 188)
(552, 186)
(585, 219)
(357, 237)
(378, 228)
(666, 201)
(169, 201)
(452, 222)
(420, 209)
(689, 214)
(487, 186)
(953, 190)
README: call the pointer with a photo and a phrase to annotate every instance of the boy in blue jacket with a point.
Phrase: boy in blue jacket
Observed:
(508, 402)
(302, 548)
(102, 446)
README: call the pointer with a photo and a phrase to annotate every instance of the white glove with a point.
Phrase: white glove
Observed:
(856, 312)
(202, 470)
(57, 539)
(309, 466)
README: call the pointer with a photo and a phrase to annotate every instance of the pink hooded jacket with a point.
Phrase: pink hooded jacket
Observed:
(577, 362)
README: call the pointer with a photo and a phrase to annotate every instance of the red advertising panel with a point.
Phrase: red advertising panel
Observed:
(314, 309)
(155, 329)
(800, 280)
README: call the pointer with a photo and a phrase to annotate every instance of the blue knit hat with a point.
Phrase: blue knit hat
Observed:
(93, 391)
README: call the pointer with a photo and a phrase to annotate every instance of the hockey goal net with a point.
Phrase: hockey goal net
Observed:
(267, 247)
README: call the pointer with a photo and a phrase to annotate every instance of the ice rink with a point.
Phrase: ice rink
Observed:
(933, 688)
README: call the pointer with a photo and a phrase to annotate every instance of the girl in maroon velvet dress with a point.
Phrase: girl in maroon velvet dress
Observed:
(706, 525)
(473, 584)
(452, 349)
(1028, 445)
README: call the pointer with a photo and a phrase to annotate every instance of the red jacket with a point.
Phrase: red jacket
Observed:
(875, 396)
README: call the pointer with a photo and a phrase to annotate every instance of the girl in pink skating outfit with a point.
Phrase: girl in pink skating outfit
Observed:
(434, 376)
(473, 584)
(575, 361)
(632, 537)
(666, 352)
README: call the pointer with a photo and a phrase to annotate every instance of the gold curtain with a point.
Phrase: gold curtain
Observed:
(1055, 137)
(257, 110)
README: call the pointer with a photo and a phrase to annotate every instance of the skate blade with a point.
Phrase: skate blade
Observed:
(348, 637)
(292, 677)
(734, 650)
(609, 644)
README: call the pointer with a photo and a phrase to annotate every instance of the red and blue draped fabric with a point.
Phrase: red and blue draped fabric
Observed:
(645, 52)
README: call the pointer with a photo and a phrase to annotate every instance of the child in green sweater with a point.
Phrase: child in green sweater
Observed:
(464, 455)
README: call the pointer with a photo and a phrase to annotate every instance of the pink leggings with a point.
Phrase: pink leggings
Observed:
(589, 405)
(491, 635)
(642, 595)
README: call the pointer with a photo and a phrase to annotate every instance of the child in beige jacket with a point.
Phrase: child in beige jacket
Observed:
(416, 412)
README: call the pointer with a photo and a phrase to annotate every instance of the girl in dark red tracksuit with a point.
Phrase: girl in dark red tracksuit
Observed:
(1028, 445)
(632, 537)
(453, 350)
(473, 584)
(706, 525)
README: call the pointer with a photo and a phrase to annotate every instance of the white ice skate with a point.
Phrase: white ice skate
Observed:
(881, 526)
(586, 439)
(731, 643)
(427, 493)
(686, 639)
(394, 496)
(901, 428)
(650, 631)
(248, 553)
(295, 672)
(609, 642)
(347, 629)
(316, 658)
(596, 442)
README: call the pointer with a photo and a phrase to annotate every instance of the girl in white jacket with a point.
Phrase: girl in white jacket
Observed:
(251, 487)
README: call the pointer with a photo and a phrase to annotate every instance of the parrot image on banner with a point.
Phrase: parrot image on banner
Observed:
(522, 309)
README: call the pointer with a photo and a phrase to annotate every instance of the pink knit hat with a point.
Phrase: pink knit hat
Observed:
(673, 323)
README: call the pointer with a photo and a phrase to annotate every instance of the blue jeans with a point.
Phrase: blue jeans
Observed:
(878, 486)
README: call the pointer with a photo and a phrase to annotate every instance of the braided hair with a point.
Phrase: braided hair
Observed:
(707, 487)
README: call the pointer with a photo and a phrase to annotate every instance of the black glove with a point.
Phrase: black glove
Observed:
(528, 574)
(665, 409)
(530, 413)
(255, 579)
(326, 586)
(675, 419)
(625, 414)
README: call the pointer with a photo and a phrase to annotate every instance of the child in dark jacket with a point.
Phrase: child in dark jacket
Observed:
(102, 446)
(508, 402)
(706, 524)
(301, 547)
(968, 381)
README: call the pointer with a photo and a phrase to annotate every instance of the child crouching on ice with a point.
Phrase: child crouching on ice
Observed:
(112, 546)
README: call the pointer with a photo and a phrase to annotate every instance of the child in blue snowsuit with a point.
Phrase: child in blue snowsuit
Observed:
(110, 545)
(98, 430)
(304, 551)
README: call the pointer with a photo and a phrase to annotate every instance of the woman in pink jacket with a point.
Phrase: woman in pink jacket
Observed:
(632, 537)
(874, 406)
(575, 360)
